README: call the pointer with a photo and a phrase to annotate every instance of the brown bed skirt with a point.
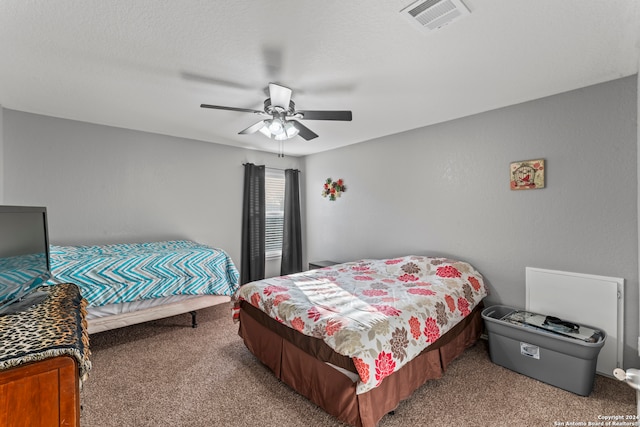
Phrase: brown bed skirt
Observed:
(299, 361)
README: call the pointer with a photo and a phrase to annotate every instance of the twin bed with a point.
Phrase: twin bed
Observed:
(357, 338)
(125, 284)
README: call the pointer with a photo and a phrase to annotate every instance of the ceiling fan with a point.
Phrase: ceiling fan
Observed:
(284, 122)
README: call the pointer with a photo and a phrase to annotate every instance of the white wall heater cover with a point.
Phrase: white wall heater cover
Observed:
(582, 298)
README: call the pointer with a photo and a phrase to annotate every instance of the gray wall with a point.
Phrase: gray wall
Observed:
(2, 157)
(108, 185)
(444, 189)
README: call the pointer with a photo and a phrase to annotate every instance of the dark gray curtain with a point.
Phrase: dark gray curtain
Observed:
(292, 228)
(253, 224)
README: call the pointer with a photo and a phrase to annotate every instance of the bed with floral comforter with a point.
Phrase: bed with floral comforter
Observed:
(379, 313)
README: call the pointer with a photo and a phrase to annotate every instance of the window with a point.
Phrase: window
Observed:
(274, 195)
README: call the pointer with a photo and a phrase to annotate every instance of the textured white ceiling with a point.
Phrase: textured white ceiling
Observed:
(149, 64)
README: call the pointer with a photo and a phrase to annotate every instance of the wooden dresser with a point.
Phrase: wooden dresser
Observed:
(44, 393)
(40, 377)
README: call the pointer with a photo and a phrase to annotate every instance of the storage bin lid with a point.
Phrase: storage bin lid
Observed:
(554, 325)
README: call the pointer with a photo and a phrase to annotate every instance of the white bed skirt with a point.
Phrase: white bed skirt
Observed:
(114, 316)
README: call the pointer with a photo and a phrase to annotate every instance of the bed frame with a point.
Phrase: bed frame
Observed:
(315, 371)
(187, 305)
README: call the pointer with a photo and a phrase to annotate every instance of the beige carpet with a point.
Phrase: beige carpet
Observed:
(165, 373)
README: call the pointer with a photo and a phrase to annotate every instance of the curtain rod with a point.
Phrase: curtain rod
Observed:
(278, 169)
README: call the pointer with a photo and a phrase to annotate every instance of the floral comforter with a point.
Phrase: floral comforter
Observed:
(381, 313)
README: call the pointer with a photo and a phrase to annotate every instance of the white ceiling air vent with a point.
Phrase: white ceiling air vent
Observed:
(433, 14)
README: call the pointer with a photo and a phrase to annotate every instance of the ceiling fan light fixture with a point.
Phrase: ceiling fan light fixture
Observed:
(279, 129)
(290, 130)
(276, 126)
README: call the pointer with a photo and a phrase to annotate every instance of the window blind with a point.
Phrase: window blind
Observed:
(274, 199)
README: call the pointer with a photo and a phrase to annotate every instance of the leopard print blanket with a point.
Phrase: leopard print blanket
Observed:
(55, 327)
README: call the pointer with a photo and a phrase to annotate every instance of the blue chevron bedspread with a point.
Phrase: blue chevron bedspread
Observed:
(110, 274)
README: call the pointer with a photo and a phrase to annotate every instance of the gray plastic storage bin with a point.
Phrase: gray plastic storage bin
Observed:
(565, 358)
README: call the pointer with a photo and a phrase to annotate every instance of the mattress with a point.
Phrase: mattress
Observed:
(129, 307)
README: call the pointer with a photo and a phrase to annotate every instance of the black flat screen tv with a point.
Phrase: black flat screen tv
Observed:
(24, 254)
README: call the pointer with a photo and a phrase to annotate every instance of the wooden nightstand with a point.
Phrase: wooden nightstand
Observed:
(319, 264)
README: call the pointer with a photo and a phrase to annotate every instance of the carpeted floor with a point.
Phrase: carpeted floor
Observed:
(165, 373)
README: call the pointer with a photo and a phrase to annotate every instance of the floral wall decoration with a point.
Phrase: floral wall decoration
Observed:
(333, 189)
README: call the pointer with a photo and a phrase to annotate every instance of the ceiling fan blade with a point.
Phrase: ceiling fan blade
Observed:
(304, 131)
(201, 78)
(242, 110)
(280, 95)
(326, 115)
(253, 128)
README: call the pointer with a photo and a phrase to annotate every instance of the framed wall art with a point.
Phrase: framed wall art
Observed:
(527, 174)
